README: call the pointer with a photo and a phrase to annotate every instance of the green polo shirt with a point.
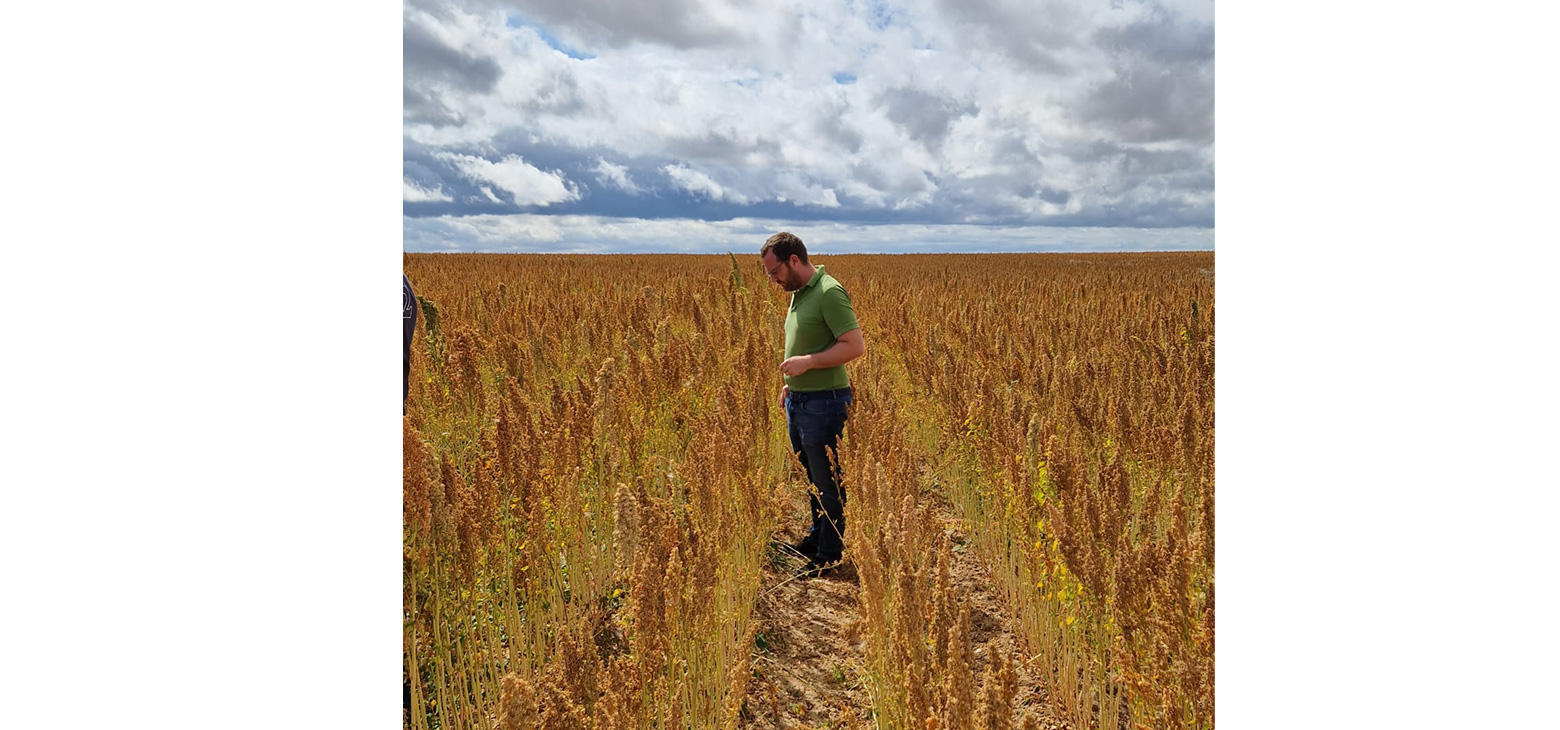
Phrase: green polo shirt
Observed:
(819, 313)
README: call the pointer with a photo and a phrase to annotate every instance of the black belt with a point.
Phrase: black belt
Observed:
(805, 395)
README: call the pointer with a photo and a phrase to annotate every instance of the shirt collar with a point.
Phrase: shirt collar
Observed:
(817, 274)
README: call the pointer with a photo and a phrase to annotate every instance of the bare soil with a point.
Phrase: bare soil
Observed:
(810, 659)
(991, 624)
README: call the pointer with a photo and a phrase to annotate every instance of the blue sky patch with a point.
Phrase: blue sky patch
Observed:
(515, 20)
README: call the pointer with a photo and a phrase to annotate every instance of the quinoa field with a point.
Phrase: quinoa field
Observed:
(598, 487)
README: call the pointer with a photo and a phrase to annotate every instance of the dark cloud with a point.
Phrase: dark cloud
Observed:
(1162, 89)
(871, 174)
(1151, 104)
(675, 23)
(925, 117)
(428, 60)
(1009, 150)
(1033, 34)
(721, 146)
(1130, 161)
(431, 69)
(847, 138)
(559, 93)
(426, 107)
(1162, 37)
(1051, 195)
(444, 9)
(829, 122)
(419, 172)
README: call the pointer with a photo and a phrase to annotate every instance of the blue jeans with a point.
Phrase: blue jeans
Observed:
(816, 419)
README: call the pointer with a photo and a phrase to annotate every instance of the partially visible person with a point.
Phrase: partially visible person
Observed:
(408, 328)
(821, 335)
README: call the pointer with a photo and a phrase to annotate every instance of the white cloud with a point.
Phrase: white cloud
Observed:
(817, 196)
(699, 183)
(512, 174)
(792, 188)
(413, 193)
(616, 175)
(601, 24)
(594, 234)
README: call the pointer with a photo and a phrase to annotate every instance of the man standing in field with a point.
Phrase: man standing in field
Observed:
(821, 335)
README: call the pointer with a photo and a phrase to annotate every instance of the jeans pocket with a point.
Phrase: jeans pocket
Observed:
(823, 407)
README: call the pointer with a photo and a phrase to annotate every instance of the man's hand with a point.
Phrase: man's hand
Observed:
(785, 391)
(794, 366)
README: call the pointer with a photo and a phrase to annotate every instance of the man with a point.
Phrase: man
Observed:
(821, 335)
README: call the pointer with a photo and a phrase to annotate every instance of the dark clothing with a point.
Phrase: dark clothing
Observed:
(816, 419)
(408, 328)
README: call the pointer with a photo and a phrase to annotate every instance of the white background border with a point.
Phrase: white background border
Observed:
(203, 228)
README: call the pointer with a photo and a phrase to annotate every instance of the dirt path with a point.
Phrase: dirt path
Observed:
(810, 662)
(809, 665)
(991, 623)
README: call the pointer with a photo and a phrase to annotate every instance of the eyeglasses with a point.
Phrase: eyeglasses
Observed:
(771, 272)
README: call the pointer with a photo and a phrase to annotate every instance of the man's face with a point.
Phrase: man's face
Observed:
(782, 272)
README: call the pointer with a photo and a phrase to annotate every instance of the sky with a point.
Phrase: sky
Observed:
(604, 126)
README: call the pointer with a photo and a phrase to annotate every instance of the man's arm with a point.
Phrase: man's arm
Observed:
(847, 347)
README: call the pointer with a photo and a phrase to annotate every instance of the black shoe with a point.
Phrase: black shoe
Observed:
(804, 548)
(815, 569)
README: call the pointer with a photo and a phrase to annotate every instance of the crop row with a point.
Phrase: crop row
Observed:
(594, 466)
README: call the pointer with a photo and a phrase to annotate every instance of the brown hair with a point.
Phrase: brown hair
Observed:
(784, 244)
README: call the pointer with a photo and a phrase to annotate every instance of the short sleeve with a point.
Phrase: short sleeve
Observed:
(837, 312)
